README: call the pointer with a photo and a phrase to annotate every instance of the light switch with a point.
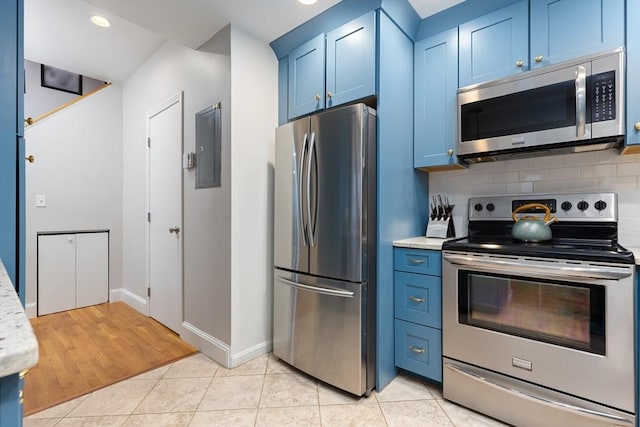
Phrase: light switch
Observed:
(41, 200)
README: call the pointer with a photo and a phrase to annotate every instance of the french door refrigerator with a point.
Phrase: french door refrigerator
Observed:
(324, 246)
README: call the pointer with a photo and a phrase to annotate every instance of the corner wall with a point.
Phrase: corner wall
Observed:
(205, 79)
(254, 91)
(78, 167)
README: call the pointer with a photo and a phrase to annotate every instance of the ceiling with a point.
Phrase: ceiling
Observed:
(59, 33)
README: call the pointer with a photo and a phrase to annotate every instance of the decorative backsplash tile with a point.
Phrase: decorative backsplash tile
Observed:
(580, 172)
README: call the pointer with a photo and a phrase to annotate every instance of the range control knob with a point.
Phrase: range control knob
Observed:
(600, 205)
(566, 206)
(583, 206)
(491, 207)
(477, 207)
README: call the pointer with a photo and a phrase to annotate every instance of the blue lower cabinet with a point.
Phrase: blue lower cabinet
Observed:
(417, 261)
(419, 349)
(418, 299)
(10, 401)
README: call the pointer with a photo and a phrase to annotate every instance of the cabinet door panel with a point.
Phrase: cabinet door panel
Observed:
(419, 349)
(306, 77)
(417, 298)
(436, 70)
(492, 46)
(633, 70)
(56, 273)
(565, 29)
(92, 269)
(351, 61)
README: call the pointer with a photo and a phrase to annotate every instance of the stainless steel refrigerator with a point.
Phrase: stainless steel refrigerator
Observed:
(325, 246)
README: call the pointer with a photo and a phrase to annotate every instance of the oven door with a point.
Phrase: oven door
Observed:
(563, 325)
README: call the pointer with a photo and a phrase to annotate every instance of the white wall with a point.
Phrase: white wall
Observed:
(254, 78)
(567, 173)
(205, 79)
(78, 168)
(39, 100)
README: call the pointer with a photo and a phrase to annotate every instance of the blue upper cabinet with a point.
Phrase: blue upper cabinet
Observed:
(495, 45)
(436, 69)
(633, 70)
(565, 29)
(306, 77)
(351, 61)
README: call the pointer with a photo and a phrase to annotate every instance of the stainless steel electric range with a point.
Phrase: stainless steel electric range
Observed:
(541, 334)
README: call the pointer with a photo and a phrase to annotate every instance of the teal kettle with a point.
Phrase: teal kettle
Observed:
(531, 228)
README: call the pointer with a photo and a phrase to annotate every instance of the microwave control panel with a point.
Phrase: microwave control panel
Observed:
(603, 96)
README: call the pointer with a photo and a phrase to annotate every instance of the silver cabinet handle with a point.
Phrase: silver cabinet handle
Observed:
(590, 413)
(416, 261)
(416, 299)
(175, 229)
(581, 101)
(417, 349)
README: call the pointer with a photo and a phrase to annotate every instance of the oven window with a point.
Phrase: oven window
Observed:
(547, 107)
(566, 314)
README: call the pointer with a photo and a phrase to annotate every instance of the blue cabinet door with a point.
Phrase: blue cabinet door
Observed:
(351, 61)
(10, 401)
(435, 117)
(418, 349)
(306, 78)
(565, 29)
(633, 71)
(495, 45)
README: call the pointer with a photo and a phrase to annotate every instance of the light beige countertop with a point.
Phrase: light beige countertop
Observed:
(420, 243)
(18, 343)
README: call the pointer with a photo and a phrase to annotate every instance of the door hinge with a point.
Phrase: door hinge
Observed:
(149, 292)
(149, 142)
(148, 216)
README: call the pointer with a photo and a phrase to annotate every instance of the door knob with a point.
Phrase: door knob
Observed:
(637, 126)
(538, 58)
(30, 158)
(175, 229)
(317, 97)
(519, 63)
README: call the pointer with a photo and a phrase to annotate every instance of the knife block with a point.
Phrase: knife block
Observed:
(442, 228)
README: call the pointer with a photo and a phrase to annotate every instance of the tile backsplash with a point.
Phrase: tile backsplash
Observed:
(568, 173)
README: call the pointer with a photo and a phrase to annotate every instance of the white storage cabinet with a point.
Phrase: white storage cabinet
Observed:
(73, 271)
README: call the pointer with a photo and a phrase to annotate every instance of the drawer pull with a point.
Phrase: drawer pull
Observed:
(416, 299)
(417, 349)
(416, 261)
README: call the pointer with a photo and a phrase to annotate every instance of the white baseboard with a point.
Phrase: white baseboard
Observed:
(207, 344)
(250, 353)
(31, 310)
(137, 302)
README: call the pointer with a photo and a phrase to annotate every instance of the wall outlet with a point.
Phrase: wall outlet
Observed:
(41, 200)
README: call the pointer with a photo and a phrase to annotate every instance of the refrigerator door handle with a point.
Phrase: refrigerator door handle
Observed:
(301, 221)
(310, 227)
(318, 290)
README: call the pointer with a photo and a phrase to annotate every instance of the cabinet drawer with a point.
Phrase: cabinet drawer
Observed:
(418, 349)
(418, 299)
(417, 261)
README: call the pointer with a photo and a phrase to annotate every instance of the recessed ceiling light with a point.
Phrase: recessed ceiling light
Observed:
(100, 21)
(307, 2)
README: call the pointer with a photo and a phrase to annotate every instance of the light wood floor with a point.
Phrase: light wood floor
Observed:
(88, 348)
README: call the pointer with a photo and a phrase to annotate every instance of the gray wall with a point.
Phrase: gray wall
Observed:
(39, 100)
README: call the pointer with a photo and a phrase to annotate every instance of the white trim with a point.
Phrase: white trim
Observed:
(135, 301)
(175, 99)
(207, 344)
(31, 310)
(250, 353)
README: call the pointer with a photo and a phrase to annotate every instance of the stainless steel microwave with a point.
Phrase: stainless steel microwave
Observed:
(573, 106)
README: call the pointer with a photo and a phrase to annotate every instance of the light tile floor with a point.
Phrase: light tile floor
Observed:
(263, 392)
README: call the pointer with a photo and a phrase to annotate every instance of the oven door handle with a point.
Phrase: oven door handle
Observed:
(549, 269)
(590, 413)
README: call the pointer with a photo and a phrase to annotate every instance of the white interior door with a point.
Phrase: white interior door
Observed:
(164, 130)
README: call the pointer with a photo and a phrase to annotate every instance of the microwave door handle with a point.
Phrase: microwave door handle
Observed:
(581, 101)
(300, 185)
